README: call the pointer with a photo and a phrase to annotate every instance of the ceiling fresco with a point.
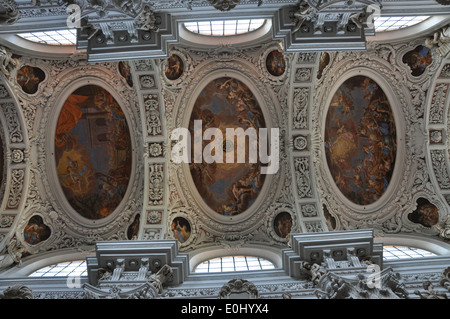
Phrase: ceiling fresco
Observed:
(227, 188)
(93, 152)
(360, 140)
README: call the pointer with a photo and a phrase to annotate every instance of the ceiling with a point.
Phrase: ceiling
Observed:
(318, 63)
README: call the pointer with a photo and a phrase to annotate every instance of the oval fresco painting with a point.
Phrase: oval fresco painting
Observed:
(181, 229)
(174, 68)
(360, 140)
(282, 224)
(36, 231)
(230, 187)
(93, 152)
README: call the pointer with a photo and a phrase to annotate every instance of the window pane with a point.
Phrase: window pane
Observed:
(234, 263)
(403, 252)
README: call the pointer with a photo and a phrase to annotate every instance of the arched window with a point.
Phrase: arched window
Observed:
(403, 252)
(56, 37)
(396, 23)
(224, 27)
(64, 269)
(233, 263)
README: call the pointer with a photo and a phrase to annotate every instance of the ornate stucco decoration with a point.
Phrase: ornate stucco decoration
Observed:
(411, 178)
(134, 269)
(440, 41)
(130, 15)
(317, 26)
(320, 12)
(429, 292)
(42, 195)
(17, 292)
(9, 12)
(179, 96)
(224, 5)
(444, 228)
(335, 286)
(120, 285)
(239, 288)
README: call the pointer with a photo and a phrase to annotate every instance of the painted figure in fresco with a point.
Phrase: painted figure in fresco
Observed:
(426, 213)
(275, 63)
(360, 140)
(174, 67)
(181, 229)
(418, 60)
(125, 71)
(29, 78)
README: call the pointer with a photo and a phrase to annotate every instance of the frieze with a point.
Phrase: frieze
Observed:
(440, 168)
(303, 177)
(156, 185)
(221, 60)
(438, 104)
(16, 189)
(12, 123)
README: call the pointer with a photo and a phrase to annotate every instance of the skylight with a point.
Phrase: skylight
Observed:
(224, 27)
(396, 23)
(234, 263)
(64, 269)
(57, 37)
(403, 252)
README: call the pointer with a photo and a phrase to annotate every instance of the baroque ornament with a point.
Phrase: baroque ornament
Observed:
(9, 12)
(440, 40)
(224, 5)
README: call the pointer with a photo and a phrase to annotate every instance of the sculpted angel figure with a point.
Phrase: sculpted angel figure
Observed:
(441, 40)
(444, 228)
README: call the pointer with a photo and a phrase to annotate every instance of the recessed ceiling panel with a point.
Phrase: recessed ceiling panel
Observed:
(93, 152)
(360, 140)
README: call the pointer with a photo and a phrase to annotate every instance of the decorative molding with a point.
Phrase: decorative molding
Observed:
(301, 104)
(303, 177)
(17, 292)
(239, 288)
(156, 185)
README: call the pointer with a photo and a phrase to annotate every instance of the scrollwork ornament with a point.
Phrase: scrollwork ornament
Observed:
(229, 61)
(224, 5)
(10, 13)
